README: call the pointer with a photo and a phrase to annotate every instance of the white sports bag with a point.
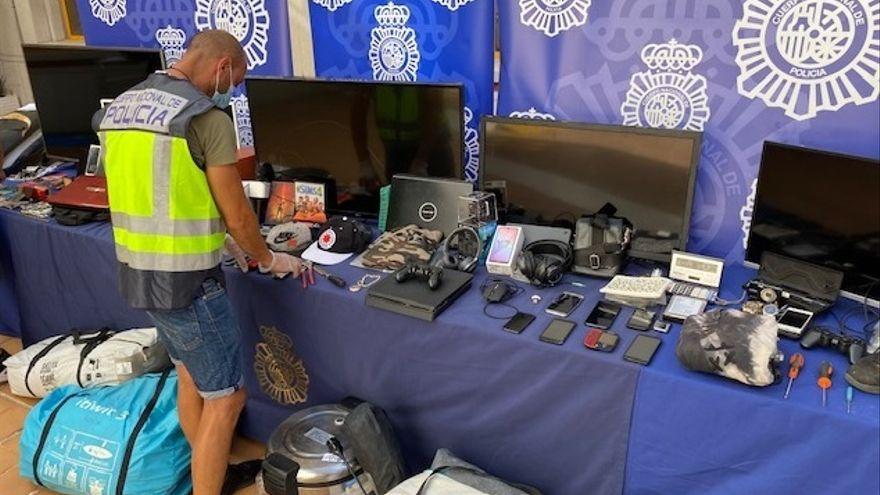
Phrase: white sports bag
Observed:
(85, 359)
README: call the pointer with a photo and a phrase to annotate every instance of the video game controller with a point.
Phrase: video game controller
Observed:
(825, 338)
(433, 274)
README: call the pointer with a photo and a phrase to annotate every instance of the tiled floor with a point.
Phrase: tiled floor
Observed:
(13, 410)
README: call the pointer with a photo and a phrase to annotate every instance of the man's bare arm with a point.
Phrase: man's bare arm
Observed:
(225, 184)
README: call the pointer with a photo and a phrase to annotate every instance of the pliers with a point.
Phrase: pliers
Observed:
(308, 274)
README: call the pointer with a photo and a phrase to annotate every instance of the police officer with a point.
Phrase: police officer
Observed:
(169, 158)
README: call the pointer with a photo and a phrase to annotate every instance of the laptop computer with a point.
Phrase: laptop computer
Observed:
(83, 193)
(414, 298)
(428, 202)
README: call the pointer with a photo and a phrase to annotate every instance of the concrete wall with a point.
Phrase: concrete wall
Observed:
(12, 68)
(25, 21)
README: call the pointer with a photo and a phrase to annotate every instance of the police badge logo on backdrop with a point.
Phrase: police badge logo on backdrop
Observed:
(280, 372)
(242, 120)
(155, 24)
(412, 41)
(247, 20)
(810, 56)
(108, 11)
(532, 113)
(668, 95)
(743, 72)
(172, 41)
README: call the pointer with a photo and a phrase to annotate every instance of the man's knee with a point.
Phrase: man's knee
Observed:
(226, 407)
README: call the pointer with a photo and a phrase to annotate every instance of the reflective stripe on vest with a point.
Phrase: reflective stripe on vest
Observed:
(164, 216)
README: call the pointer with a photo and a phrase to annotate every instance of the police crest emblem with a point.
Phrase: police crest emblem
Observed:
(247, 20)
(280, 371)
(809, 56)
(552, 17)
(668, 95)
(394, 52)
(108, 11)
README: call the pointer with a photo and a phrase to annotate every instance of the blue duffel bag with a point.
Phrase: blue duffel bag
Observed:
(112, 440)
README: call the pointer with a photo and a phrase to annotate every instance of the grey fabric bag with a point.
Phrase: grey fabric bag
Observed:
(733, 344)
(467, 474)
(601, 243)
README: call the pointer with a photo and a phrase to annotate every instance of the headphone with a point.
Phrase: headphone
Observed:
(544, 262)
(461, 250)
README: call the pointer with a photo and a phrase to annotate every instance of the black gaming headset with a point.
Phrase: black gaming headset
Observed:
(461, 250)
(544, 262)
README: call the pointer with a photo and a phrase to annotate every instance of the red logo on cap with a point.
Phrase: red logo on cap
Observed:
(327, 240)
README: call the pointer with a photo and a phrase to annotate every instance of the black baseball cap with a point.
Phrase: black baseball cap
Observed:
(340, 238)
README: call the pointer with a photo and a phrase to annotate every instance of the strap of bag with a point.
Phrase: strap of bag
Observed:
(91, 343)
(45, 434)
(40, 355)
(443, 469)
(145, 415)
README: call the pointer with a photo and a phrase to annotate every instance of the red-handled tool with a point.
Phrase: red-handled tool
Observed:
(795, 364)
(825, 372)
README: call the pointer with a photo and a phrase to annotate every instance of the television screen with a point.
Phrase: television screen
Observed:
(69, 83)
(820, 207)
(553, 173)
(356, 135)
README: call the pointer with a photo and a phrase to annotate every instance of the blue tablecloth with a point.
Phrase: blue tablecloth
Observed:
(64, 277)
(565, 419)
(10, 319)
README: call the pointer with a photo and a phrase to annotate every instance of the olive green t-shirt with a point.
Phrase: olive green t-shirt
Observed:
(212, 143)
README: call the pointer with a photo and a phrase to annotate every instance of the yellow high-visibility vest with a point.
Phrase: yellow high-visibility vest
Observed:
(164, 217)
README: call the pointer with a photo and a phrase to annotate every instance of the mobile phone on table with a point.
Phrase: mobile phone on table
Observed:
(564, 304)
(603, 315)
(519, 322)
(557, 331)
(601, 340)
(641, 320)
(642, 349)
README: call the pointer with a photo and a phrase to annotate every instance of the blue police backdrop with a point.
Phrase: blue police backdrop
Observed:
(260, 25)
(412, 40)
(801, 72)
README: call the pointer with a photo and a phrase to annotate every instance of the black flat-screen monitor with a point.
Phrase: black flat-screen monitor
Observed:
(69, 83)
(356, 135)
(820, 207)
(552, 173)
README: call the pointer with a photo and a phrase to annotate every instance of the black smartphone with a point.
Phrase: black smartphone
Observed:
(641, 320)
(564, 304)
(603, 315)
(557, 331)
(519, 322)
(642, 349)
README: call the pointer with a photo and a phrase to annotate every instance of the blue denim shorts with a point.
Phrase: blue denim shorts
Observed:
(205, 338)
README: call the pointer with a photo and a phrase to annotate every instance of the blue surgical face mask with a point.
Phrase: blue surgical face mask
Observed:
(222, 100)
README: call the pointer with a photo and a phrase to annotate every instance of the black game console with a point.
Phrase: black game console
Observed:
(433, 275)
(413, 297)
(813, 337)
(785, 281)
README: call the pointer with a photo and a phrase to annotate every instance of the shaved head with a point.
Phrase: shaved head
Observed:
(214, 61)
(214, 44)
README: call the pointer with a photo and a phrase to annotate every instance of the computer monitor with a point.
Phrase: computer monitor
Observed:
(356, 135)
(822, 208)
(552, 173)
(69, 83)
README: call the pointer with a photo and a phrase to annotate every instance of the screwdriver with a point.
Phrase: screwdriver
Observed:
(825, 372)
(795, 364)
(849, 397)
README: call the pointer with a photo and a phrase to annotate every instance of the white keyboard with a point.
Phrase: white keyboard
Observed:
(636, 287)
